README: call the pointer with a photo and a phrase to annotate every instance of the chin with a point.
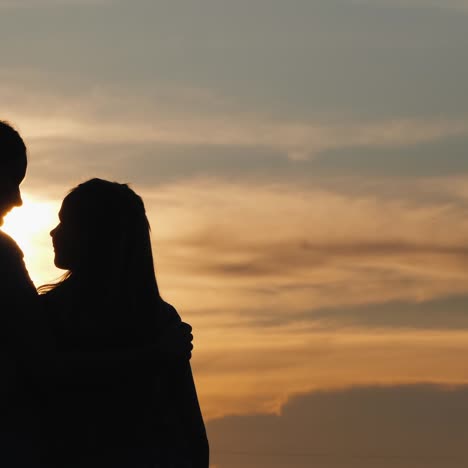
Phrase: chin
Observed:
(60, 264)
(3, 213)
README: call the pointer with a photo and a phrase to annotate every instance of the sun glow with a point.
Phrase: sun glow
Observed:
(29, 226)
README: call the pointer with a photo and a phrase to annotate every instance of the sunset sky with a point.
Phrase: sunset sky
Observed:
(304, 166)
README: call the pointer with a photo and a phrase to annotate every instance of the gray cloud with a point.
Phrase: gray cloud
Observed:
(417, 426)
(264, 258)
(33, 4)
(440, 314)
(414, 173)
(444, 157)
(171, 132)
(295, 61)
(461, 5)
(261, 266)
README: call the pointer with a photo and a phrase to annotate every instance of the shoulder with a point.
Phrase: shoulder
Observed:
(14, 276)
(58, 294)
(11, 259)
(15, 283)
(9, 248)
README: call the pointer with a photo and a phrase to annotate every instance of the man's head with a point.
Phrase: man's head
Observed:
(13, 162)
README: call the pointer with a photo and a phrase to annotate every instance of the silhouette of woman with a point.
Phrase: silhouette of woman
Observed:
(138, 412)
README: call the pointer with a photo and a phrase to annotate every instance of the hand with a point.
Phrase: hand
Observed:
(187, 339)
(176, 341)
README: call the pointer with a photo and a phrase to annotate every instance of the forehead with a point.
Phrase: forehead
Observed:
(63, 208)
(68, 208)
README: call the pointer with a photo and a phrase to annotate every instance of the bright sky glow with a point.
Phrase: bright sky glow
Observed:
(29, 226)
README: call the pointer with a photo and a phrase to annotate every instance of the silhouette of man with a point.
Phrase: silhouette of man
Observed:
(20, 331)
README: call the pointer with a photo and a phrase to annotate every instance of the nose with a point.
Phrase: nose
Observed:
(52, 233)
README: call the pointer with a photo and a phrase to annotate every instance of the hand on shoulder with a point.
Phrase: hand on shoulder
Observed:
(175, 339)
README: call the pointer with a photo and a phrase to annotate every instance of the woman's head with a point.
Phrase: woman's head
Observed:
(104, 232)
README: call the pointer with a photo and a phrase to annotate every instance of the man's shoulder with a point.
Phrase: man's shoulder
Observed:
(9, 248)
(13, 273)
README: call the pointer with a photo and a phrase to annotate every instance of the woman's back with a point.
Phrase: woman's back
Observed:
(109, 303)
(94, 409)
(136, 406)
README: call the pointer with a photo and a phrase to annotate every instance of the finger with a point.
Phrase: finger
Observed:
(186, 326)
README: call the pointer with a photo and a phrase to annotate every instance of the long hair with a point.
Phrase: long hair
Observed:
(118, 253)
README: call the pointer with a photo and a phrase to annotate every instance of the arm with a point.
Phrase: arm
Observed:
(184, 397)
(173, 346)
(189, 414)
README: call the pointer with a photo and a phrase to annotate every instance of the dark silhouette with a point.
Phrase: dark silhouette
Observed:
(32, 363)
(133, 412)
(21, 331)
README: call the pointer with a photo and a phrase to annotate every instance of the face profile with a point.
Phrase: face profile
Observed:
(10, 197)
(12, 169)
(63, 242)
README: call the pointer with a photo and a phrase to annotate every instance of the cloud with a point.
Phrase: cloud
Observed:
(279, 279)
(330, 58)
(292, 288)
(406, 426)
(103, 117)
(50, 3)
(446, 313)
(316, 252)
(297, 140)
(321, 248)
(247, 369)
(442, 4)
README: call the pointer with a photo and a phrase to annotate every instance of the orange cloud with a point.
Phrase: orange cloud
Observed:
(307, 246)
(257, 269)
(272, 277)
